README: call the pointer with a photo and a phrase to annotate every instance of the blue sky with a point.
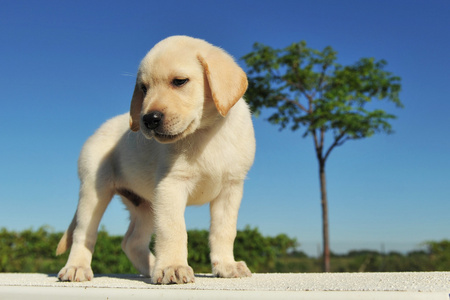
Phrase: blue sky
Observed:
(67, 66)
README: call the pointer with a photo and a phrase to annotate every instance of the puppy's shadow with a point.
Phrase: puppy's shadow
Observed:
(134, 277)
(131, 277)
(140, 278)
(205, 276)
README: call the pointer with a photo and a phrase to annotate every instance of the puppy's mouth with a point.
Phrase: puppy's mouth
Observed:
(168, 137)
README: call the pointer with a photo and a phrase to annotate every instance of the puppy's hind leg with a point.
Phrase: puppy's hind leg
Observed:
(136, 241)
(93, 201)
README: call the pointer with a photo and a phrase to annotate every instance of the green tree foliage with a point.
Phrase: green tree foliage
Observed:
(305, 88)
(198, 251)
(440, 254)
(259, 252)
(108, 256)
(29, 251)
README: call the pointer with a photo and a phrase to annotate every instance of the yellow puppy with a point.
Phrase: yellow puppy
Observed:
(188, 140)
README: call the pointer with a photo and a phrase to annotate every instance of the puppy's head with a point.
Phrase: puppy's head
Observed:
(182, 85)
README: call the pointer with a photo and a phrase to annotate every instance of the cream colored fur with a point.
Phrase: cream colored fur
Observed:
(200, 154)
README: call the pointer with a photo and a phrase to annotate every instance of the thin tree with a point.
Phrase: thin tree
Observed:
(306, 88)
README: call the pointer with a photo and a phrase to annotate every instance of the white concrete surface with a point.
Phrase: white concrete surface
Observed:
(420, 285)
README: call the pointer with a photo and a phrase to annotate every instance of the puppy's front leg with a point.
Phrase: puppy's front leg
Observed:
(171, 237)
(224, 211)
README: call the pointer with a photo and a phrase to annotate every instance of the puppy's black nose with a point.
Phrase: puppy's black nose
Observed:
(152, 119)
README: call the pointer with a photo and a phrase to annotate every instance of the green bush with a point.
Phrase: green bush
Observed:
(34, 252)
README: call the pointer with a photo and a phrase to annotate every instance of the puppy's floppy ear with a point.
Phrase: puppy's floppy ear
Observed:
(135, 107)
(227, 81)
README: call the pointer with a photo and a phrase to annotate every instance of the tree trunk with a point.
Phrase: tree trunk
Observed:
(325, 228)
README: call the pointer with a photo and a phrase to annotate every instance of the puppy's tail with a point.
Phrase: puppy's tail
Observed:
(66, 240)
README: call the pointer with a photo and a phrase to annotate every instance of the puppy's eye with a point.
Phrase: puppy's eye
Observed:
(144, 89)
(179, 82)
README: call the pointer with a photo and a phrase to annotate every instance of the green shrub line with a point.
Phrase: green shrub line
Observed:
(33, 251)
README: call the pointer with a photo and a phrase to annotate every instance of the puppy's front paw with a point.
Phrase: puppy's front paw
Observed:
(173, 274)
(231, 270)
(73, 273)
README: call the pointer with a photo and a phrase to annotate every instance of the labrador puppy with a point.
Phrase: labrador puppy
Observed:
(187, 140)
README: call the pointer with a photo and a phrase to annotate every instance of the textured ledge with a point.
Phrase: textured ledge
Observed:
(420, 285)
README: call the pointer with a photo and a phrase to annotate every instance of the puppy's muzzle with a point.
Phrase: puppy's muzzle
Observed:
(153, 119)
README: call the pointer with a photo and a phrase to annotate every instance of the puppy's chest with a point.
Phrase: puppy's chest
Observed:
(208, 179)
(204, 189)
